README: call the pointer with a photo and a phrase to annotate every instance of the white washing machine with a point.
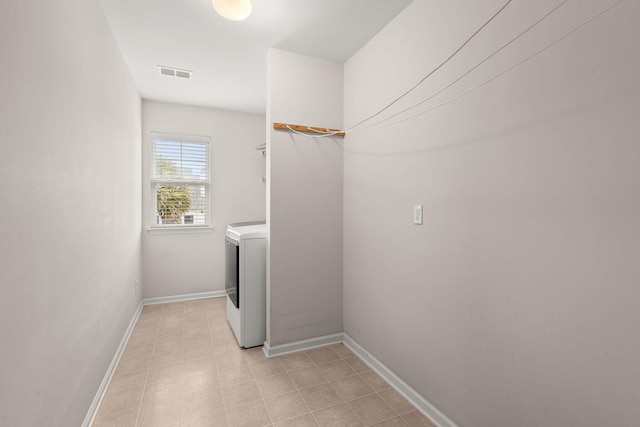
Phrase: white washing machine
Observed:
(246, 282)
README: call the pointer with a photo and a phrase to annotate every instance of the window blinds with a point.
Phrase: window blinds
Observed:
(180, 181)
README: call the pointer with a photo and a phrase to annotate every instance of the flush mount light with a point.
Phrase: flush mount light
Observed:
(174, 72)
(233, 10)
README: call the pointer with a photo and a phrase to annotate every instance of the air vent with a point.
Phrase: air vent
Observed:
(174, 72)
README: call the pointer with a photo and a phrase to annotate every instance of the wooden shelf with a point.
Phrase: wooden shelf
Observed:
(308, 129)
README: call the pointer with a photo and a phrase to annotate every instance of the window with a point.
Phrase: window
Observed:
(179, 181)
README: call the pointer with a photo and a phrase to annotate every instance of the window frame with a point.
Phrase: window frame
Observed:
(154, 183)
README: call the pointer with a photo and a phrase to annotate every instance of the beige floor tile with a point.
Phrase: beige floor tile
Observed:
(303, 421)
(127, 380)
(335, 370)
(320, 397)
(195, 323)
(351, 387)
(130, 366)
(342, 351)
(194, 305)
(231, 359)
(393, 422)
(358, 366)
(151, 308)
(254, 354)
(200, 395)
(215, 316)
(195, 313)
(150, 316)
(309, 377)
(171, 317)
(234, 375)
(416, 419)
(230, 347)
(216, 302)
(220, 341)
(117, 419)
(218, 327)
(165, 373)
(146, 327)
(286, 406)
(168, 344)
(266, 368)
(275, 385)
(296, 361)
(117, 401)
(204, 381)
(371, 409)
(161, 404)
(250, 415)
(322, 355)
(173, 307)
(197, 340)
(141, 338)
(375, 381)
(173, 327)
(171, 357)
(397, 402)
(137, 352)
(197, 337)
(220, 337)
(172, 332)
(183, 367)
(239, 394)
(212, 418)
(200, 366)
(337, 416)
(204, 351)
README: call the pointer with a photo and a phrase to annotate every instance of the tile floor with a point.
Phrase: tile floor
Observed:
(183, 368)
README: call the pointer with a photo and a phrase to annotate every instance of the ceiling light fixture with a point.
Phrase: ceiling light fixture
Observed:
(233, 10)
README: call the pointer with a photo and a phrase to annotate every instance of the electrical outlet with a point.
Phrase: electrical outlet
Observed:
(417, 214)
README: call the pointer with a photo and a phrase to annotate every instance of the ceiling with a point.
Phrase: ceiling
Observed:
(229, 59)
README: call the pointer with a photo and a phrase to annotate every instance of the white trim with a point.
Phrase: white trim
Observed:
(423, 405)
(293, 347)
(93, 409)
(95, 404)
(184, 229)
(179, 136)
(185, 297)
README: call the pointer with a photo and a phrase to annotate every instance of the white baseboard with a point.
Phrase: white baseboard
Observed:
(185, 297)
(423, 405)
(293, 347)
(93, 409)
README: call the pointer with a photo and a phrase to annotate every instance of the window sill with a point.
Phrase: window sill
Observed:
(180, 230)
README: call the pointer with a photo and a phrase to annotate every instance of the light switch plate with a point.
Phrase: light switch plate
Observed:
(417, 214)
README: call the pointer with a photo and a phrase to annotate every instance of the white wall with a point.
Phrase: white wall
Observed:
(70, 217)
(304, 208)
(516, 303)
(177, 264)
